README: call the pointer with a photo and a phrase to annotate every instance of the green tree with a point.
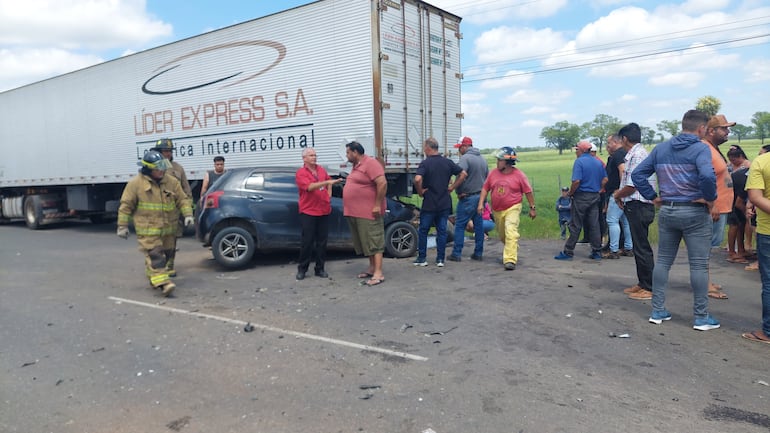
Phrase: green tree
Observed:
(670, 126)
(761, 121)
(709, 105)
(599, 128)
(561, 136)
(741, 131)
(648, 135)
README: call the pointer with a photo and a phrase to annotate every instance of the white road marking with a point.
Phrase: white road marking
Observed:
(273, 329)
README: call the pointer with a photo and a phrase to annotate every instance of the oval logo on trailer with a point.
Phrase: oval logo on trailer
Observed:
(246, 60)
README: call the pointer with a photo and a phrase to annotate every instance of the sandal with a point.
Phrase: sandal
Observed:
(752, 267)
(738, 259)
(756, 336)
(364, 275)
(716, 294)
(373, 281)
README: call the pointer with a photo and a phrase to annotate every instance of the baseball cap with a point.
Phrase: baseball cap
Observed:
(719, 120)
(584, 146)
(464, 141)
(594, 148)
(565, 188)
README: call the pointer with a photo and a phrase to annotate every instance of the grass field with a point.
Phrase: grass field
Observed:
(548, 171)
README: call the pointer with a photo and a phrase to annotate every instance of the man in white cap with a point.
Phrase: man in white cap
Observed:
(467, 198)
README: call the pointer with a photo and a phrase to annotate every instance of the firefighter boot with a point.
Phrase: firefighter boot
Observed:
(168, 288)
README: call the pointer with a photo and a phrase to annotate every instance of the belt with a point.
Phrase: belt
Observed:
(682, 203)
(468, 194)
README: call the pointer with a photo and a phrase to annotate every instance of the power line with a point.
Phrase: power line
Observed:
(617, 59)
(628, 43)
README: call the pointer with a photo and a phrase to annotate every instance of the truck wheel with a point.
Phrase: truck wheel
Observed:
(33, 212)
(400, 239)
(233, 247)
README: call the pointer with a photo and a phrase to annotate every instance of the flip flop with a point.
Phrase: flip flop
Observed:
(738, 259)
(373, 281)
(716, 294)
(752, 267)
(755, 336)
(364, 275)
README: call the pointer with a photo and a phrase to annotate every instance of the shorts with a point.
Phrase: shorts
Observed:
(368, 235)
(736, 218)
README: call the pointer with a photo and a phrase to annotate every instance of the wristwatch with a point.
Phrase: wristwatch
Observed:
(532, 207)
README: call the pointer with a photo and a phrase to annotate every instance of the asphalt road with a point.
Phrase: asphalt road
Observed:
(86, 346)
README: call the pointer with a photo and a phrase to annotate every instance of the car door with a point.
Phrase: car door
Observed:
(272, 198)
(339, 230)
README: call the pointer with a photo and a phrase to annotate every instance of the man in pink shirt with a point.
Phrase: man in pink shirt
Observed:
(363, 205)
(508, 186)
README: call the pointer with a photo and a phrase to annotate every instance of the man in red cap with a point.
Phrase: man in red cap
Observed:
(467, 198)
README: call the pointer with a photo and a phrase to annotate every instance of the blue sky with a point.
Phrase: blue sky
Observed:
(527, 63)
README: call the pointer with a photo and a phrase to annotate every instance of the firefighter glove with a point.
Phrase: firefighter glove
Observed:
(123, 232)
(189, 221)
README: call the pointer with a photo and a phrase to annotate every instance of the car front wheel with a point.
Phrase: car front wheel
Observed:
(400, 239)
(233, 247)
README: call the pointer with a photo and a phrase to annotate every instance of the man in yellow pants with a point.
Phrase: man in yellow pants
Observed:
(153, 199)
(507, 185)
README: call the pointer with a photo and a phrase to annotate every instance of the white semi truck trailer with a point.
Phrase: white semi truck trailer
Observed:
(385, 73)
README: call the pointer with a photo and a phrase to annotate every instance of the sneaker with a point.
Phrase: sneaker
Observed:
(477, 258)
(596, 255)
(611, 255)
(633, 289)
(563, 256)
(658, 317)
(454, 259)
(440, 263)
(420, 262)
(510, 266)
(706, 323)
(641, 295)
(627, 253)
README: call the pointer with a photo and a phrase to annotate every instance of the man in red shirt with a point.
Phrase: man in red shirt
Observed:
(508, 186)
(364, 207)
(315, 188)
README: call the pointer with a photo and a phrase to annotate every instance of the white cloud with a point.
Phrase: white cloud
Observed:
(687, 80)
(515, 45)
(510, 79)
(474, 96)
(757, 70)
(72, 24)
(538, 109)
(532, 123)
(628, 98)
(531, 96)
(19, 67)
(485, 12)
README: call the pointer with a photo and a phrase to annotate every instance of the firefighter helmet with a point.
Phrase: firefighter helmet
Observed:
(153, 160)
(507, 154)
(163, 144)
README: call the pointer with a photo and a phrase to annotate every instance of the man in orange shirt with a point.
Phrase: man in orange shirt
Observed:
(717, 130)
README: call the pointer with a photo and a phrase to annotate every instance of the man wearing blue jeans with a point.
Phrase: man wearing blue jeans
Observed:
(432, 184)
(467, 198)
(758, 186)
(588, 178)
(616, 220)
(687, 192)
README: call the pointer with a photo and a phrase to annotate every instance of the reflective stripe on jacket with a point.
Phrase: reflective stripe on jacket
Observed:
(153, 205)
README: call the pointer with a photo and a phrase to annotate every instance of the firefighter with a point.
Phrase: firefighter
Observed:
(154, 200)
(166, 148)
